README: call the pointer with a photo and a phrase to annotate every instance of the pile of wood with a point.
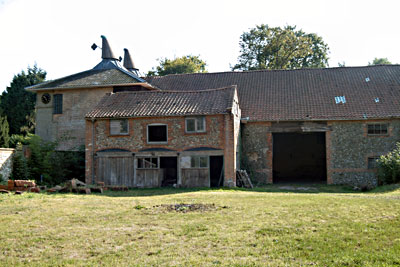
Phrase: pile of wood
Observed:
(75, 186)
(20, 186)
(243, 179)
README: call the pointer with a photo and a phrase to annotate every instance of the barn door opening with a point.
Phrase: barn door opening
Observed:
(216, 171)
(299, 157)
(170, 166)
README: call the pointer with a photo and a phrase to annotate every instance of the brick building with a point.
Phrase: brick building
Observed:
(161, 138)
(309, 125)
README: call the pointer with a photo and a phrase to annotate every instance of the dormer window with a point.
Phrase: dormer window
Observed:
(195, 125)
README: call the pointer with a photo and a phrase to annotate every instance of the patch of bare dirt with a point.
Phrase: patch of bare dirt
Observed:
(183, 207)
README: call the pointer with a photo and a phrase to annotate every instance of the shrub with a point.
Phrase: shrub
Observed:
(20, 170)
(46, 165)
(389, 167)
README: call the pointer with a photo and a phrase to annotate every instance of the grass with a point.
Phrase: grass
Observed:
(269, 226)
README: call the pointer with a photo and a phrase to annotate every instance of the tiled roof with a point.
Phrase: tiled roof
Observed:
(164, 103)
(305, 94)
(90, 78)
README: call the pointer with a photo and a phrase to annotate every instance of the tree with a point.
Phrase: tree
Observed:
(4, 135)
(380, 61)
(17, 103)
(265, 47)
(184, 64)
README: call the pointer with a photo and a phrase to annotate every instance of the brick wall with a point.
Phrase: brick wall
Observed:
(68, 127)
(219, 135)
(348, 149)
(257, 151)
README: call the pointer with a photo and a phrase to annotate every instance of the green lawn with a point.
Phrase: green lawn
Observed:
(322, 226)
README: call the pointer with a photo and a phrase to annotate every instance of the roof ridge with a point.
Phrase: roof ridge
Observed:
(274, 70)
(233, 86)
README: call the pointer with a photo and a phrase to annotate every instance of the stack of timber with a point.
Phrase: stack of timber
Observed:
(75, 186)
(243, 179)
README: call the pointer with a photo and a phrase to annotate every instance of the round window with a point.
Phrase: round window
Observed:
(46, 98)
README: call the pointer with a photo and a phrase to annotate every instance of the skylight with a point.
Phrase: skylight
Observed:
(340, 99)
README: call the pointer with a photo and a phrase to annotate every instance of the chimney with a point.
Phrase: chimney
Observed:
(128, 62)
(106, 49)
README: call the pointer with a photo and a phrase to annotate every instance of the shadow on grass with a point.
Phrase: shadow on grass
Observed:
(275, 188)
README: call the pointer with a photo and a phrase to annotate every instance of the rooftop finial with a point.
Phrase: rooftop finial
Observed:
(106, 49)
(128, 62)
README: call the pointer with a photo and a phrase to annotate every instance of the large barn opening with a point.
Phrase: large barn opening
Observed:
(216, 171)
(170, 170)
(299, 157)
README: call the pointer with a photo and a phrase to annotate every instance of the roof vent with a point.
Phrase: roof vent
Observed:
(340, 99)
(367, 79)
(106, 52)
(128, 62)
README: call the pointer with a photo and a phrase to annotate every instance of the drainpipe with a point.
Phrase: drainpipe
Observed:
(93, 121)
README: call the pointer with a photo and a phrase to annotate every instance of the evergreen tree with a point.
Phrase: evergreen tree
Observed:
(17, 103)
(4, 129)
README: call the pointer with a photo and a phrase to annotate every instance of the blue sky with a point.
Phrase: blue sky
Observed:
(57, 34)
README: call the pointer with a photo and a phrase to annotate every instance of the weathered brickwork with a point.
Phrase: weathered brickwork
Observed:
(220, 135)
(349, 148)
(69, 127)
(257, 151)
(177, 138)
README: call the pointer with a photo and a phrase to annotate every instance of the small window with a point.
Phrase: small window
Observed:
(372, 162)
(196, 125)
(147, 163)
(340, 99)
(199, 162)
(157, 133)
(377, 129)
(119, 127)
(58, 104)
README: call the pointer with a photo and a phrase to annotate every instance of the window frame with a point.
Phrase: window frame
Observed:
(157, 142)
(377, 131)
(144, 163)
(119, 133)
(197, 159)
(203, 118)
(58, 104)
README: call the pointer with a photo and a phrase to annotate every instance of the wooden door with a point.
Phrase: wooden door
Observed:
(116, 169)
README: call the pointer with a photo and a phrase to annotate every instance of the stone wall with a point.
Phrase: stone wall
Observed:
(68, 127)
(257, 151)
(6, 158)
(348, 149)
(178, 140)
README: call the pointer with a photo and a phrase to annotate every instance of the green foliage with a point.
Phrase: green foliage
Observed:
(380, 61)
(20, 170)
(4, 129)
(16, 102)
(389, 167)
(265, 47)
(184, 64)
(45, 164)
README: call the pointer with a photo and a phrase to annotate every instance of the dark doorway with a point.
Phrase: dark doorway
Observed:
(299, 158)
(169, 164)
(216, 171)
